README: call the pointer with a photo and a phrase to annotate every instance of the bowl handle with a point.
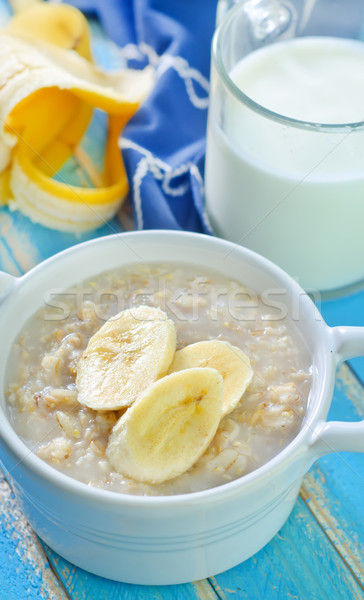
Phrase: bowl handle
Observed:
(6, 284)
(336, 436)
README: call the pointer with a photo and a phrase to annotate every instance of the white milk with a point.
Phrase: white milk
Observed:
(294, 194)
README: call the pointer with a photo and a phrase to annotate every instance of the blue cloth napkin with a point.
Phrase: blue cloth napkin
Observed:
(164, 144)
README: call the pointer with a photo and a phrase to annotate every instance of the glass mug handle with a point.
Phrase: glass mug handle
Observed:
(269, 18)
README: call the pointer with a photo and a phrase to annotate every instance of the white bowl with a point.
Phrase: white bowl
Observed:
(172, 539)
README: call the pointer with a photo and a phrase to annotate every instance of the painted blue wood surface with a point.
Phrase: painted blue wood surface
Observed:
(317, 555)
(298, 564)
(25, 572)
(80, 584)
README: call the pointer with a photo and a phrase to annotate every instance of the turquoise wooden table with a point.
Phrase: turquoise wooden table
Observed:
(317, 555)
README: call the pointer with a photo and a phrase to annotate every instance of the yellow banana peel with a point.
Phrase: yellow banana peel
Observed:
(56, 153)
(47, 97)
(59, 24)
(5, 193)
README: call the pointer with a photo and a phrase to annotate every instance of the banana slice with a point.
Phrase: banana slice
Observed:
(231, 362)
(123, 358)
(170, 426)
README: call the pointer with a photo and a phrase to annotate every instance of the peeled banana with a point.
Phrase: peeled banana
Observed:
(48, 89)
(124, 357)
(231, 362)
(169, 427)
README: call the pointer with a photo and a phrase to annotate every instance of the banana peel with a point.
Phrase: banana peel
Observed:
(58, 24)
(66, 27)
(47, 97)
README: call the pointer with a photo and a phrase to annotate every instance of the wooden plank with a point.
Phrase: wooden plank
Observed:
(18, 242)
(27, 243)
(25, 572)
(337, 521)
(298, 564)
(81, 585)
(7, 262)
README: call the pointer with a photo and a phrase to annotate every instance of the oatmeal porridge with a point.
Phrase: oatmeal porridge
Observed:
(57, 421)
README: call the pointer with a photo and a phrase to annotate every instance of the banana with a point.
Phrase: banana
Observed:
(63, 207)
(58, 24)
(169, 427)
(5, 156)
(65, 26)
(47, 95)
(28, 68)
(125, 356)
(4, 186)
(231, 362)
(60, 149)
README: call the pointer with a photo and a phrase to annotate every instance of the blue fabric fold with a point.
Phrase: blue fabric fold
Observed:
(163, 145)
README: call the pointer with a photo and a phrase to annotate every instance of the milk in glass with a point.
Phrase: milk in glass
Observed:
(293, 191)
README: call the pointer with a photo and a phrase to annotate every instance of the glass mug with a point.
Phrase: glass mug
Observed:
(284, 171)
